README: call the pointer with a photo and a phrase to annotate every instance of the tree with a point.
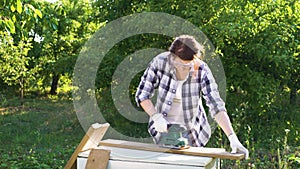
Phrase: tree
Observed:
(65, 28)
(258, 41)
(15, 22)
(13, 62)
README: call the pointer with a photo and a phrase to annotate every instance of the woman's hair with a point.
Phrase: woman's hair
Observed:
(186, 47)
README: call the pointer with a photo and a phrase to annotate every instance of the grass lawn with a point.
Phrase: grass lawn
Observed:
(41, 134)
(45, 132)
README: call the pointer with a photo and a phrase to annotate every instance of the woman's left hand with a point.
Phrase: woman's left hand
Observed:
(236, 146)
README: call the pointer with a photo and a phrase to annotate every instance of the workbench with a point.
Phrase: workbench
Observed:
(123, 158)
(95, 153)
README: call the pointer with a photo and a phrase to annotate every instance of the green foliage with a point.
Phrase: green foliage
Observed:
(258, 42)
(65, 28)
(13, 61)
(19, 17)
(124, 49)
(14, 70)
(257, 39)
(272, 142)
(17, 21)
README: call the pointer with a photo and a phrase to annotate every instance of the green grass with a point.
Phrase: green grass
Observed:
(41, 134)
(45, 131)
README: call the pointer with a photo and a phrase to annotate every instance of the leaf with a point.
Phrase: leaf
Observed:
(54, 26)
(11, 26)
(14, 19)
(39, 13)
(30, 7)
(234, 34)
(12, 8)
(19, 6)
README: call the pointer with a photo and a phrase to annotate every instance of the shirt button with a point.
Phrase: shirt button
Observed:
(173, 90)
(169, 103)
(165, 114)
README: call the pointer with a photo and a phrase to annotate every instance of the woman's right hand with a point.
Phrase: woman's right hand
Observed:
(160, 123)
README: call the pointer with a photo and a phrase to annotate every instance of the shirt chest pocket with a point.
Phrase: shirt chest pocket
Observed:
(166, 86)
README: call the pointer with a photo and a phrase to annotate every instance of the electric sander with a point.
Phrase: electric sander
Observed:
(174, 139)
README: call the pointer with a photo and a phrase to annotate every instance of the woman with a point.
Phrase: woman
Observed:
(182, 79)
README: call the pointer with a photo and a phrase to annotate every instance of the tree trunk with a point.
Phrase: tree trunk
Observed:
(21, 82)
(54, 84)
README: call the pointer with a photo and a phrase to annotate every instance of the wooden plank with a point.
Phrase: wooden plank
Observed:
(195, 151)
(98, 159)
(91, 140)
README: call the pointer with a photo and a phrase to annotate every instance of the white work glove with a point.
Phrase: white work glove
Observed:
(160, 123)
(236, 146)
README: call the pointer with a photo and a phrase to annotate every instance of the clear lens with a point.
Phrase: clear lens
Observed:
(182, 65)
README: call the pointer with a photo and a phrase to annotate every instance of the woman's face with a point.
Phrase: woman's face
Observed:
(182, 64)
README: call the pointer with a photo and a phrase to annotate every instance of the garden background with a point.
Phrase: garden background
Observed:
(257, 41)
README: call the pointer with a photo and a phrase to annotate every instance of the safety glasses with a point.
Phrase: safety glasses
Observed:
(181, 65)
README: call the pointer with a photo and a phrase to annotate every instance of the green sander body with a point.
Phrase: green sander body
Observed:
(174, 139)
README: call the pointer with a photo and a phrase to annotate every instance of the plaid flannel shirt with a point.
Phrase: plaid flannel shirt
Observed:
(161, 75)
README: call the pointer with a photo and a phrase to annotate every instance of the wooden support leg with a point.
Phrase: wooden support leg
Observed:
(91, 140)
(98, 159)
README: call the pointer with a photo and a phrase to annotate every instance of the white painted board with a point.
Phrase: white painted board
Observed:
(133, 159)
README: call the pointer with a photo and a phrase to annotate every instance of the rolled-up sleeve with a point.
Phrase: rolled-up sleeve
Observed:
(148, 83)
(211, 93)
